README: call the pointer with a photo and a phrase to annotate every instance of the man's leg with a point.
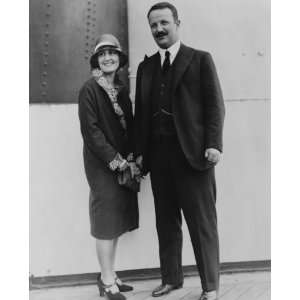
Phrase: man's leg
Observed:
(201, 219)
(168, 218)
(197, 196)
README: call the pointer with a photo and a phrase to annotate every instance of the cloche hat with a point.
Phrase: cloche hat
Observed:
(104, 42)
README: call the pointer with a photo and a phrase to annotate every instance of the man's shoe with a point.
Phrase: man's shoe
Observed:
(164, 289)
(212, 295)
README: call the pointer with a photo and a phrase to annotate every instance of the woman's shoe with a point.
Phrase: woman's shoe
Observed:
(111, 291)
(122, 286)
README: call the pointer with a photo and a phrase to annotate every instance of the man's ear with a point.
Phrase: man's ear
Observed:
(177, 23)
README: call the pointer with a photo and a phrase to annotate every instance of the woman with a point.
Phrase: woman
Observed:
(106, 122)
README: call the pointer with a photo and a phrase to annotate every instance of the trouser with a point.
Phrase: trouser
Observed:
(178, 187)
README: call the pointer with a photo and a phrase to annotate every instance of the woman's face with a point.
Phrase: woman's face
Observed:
(109, 61)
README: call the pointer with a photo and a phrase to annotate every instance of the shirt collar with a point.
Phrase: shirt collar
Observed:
(173, 52)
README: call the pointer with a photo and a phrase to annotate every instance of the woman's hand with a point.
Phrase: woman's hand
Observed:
(123, 165)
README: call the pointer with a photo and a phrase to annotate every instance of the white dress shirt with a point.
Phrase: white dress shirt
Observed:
(173, 52)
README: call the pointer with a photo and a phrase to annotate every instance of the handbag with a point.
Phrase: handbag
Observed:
(125, 179)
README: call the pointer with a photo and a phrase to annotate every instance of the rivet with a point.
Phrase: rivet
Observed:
(46, 53)
(46, 33)
(44, 83)
(45, 63)
(87, 37)
(49, 4)
(47, 14)
(46, 44)
(47, 24)
(44, 73)
(44, 93)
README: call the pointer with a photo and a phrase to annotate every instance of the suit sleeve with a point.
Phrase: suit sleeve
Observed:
(130, 124)
(91, 132)
(214, 109)
(137, 114)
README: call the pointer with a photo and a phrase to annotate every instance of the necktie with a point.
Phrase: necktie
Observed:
(166, 65)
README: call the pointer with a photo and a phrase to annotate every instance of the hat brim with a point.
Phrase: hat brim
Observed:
(94, 58)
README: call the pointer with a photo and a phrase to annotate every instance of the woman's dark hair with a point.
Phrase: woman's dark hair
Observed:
(94, 61)
(163, 5)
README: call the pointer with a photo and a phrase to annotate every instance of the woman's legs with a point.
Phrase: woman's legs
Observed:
(106, 253)
(115, 243)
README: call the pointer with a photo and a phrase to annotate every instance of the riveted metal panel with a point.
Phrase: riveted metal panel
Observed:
(62, 37)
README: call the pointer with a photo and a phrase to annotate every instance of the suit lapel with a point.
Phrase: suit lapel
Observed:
(147, 75)
(180, 64)
(122, 100)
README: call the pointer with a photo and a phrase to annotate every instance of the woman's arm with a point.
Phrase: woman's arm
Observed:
(92, 133)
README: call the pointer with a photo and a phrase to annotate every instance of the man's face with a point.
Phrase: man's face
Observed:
(163, 27)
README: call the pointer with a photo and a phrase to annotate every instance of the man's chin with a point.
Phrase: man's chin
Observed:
(162, 44)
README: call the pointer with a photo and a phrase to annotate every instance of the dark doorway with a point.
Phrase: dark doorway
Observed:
(62, 36)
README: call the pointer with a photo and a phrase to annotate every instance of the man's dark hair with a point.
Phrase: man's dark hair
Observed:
(163, 5)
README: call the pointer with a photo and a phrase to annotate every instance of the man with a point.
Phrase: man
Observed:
(179, 114)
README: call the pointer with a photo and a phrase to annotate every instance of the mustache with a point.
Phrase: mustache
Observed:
(160, 34)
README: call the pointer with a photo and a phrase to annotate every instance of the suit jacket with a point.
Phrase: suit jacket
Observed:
(197, 105)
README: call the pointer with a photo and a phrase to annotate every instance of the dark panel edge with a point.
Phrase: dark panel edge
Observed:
(142, 274)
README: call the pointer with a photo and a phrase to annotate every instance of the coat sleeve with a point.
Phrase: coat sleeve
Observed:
(91, 132)
(214, 109)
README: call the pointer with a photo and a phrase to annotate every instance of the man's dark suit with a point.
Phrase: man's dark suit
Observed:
(182, 178)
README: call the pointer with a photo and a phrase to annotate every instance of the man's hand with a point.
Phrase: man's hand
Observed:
(134, 170)
(139, 161)
(139, 164)
(213, 155)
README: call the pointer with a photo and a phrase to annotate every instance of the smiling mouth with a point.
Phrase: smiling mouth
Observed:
(108, 64)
